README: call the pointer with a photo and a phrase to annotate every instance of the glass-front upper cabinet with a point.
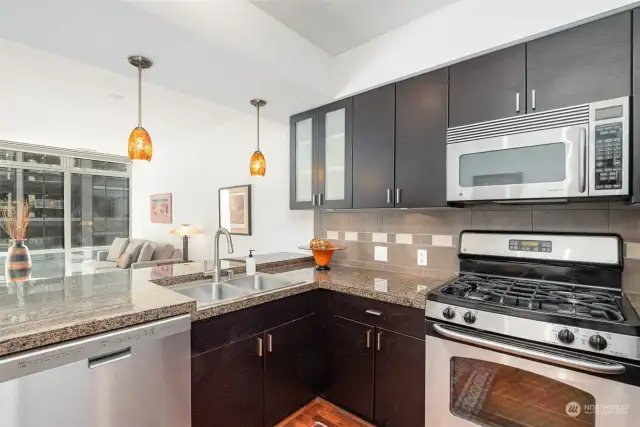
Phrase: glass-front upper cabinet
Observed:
(303, 160)
(335, 155)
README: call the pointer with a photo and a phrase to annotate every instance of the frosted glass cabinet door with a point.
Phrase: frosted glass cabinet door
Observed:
(335, 155)
(304, 152)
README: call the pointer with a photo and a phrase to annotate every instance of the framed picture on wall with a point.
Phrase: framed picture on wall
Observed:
(234, 209)
(161, 208)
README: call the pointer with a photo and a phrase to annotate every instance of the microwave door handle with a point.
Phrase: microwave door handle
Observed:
(582, 364)
(582, 154)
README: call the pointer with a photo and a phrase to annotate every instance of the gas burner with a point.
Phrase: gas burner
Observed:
(564, 299)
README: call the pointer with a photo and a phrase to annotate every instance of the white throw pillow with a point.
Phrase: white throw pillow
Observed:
(117, 248)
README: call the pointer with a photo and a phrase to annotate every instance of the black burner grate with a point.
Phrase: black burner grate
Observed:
(564, 299)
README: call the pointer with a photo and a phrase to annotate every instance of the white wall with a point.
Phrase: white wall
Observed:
(463, 29)
(198, 146)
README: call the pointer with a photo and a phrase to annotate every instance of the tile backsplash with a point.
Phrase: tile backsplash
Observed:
(403, 232)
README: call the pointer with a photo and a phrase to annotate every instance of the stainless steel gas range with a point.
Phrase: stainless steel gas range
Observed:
(535, 331)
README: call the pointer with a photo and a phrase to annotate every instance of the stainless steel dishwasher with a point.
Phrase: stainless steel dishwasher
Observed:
(133, 377)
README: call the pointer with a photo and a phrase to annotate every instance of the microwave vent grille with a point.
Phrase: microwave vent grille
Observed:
(562, 117)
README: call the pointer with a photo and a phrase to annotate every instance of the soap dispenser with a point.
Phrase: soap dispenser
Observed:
(251, 263)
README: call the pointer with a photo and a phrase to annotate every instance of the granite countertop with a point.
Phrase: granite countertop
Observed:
(48, 311)
(404, 289)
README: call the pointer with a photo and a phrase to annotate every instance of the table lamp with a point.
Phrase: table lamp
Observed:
(184, 231)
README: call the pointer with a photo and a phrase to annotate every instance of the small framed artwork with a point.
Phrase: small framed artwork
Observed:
(234, 209)
(161, 208)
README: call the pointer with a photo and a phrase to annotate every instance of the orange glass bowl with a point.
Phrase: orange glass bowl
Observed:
(323, 256)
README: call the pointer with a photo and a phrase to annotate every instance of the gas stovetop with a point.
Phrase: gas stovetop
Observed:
(545, 297)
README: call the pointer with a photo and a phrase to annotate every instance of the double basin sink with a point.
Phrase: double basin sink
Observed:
(207, 292)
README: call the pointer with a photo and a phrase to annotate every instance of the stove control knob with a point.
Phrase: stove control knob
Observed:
(566, 336)
(597, 342)
(448, 313)
(469, 317)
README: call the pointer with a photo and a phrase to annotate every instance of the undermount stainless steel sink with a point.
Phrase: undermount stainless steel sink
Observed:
(260, 282)
(211, 292)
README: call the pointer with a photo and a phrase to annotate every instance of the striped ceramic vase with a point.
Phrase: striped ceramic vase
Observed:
(17, 266)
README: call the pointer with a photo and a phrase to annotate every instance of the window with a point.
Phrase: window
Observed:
(77, 205)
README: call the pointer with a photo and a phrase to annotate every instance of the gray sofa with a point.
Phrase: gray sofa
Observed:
(107, 261)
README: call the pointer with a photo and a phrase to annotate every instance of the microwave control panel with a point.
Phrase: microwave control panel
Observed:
(608, 159)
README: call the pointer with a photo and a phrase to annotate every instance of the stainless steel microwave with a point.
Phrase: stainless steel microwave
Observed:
(574, 152)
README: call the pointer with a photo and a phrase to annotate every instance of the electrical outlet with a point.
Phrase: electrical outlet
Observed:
(380, 253)
(422, 257)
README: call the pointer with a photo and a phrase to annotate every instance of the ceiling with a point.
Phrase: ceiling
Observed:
(337, 26)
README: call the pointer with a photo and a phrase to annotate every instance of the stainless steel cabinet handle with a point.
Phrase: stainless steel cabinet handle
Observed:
(320, 199)
(269, 343)
(369, 338)
(397, 195)
(105, 359)
(313, 199)
(388, 195)
(533, 99)
(582, 158)
(374, 312)
(260, 347)
(517, 102)
(583, 364)
(378, 339)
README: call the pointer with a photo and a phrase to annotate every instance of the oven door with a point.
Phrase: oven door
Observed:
(542, 164)
(473, 384)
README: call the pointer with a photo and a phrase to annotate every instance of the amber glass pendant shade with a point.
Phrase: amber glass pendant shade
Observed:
(140, 146)
(258, 164)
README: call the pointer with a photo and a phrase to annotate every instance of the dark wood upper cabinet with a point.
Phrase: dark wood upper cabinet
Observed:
(226, 385)
(591, 62)
(373, 148)
(488, 87)
(303, 160)
(635, 104)
(349, 371)
(335, 154)
(292, 362)
(399, 380)
(420, 143)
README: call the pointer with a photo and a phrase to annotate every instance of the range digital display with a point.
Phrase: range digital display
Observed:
(530, 245)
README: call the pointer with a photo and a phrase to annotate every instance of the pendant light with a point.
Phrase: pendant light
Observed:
(140, 147)
(258, 164)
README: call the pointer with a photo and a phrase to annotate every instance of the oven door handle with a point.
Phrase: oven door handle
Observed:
(584, 365)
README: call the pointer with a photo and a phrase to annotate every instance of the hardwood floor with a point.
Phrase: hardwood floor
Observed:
(320, 413)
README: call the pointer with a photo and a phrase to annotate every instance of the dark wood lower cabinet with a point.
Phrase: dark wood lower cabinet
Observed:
(292, 361)
(227, 386)
(349, 370)
(399, 380)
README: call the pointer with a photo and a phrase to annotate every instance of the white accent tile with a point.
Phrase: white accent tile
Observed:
(437, 240)
(405, 239)
(632, 250)
(333, 235)
(380, 253)
(380, 285)
(379, 237)
(351, 236)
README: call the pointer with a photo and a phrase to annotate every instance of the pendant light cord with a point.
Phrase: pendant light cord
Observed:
(139, 96)
(258, 108)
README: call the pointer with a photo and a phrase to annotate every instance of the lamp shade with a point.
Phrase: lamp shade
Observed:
(258, 164)
(185, 230)
(140, 147)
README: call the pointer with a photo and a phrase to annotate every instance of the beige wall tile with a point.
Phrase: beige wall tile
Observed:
(499, 207)
(571, 206)
(365, 237)
(631, 275)
(317, 223)
(403, 255)
(333, 235)
(437, 240)
(402, 222)
(590, 221)
(502, 220)
(439, 258)
(422, 239)
(365, 221)
(438, 273)
(625, 222)
(379, 237)
(351, 236)
(632, 250)
(359, 251)
(402, 269)
(405, 239)
(361, 264)
(452, 221)
(335, 221)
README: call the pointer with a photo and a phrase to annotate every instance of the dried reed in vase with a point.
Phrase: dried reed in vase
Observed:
(15, 219)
